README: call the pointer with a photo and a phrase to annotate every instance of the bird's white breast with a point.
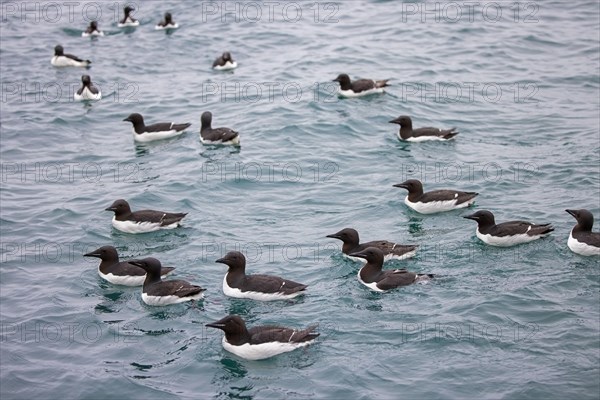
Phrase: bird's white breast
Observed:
(581, 248)
(436, 206)
(263, 350)
(237, 293)
(226, 66)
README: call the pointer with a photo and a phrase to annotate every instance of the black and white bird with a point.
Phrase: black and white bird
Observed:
(391, 251)
(375, 278)
(257, 287)
(142, 221)
(360, 87)
(128, 19)
(507, 233)
(157, 292)
(260, 342)
(581, 239)
(87, 91)
(167, 23)
(436, 200)
(158, 131)
(92, 30)
(409, 134)
(224, 62)
(61, 59)
(119, 272)
(209, 135)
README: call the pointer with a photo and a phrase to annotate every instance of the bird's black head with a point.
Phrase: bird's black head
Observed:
(149, 264)
(135, 119)
(346, 235)
(168, 18)
(372, 254)
(412, 185)
(227, 56)
(128, 10)
(483, 217)
(233, 259)
(342, 78)
(107, 253)
(58, 50)
(119, 207)
(93, 26)
(402, 120)
(232, 324)
(584, 218)
(86, 80)
(206, 119)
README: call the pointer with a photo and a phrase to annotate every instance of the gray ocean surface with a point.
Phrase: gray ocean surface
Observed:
(520, 81)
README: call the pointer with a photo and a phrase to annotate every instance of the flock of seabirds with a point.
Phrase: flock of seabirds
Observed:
(261, 342)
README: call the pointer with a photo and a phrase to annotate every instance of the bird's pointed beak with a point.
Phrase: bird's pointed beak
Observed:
(400, 185)
(472, 216)
(127, 119)
(394, 121)
(572, 212)
(215, 325)
(137, 263)
(92, 254)
(359, 255)
(333, 236)
(110, 209)
(221, 260)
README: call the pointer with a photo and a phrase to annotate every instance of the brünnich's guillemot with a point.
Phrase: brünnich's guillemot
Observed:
(120, 272)
(581, 239)
(92, 30)
(167, 23)
(260, 342)
(157, 292)
(507, 233)
(158, 131)
(87, 91)
(224, 62)
(257, 287)
(142, 221)
(375, 278)
(359, 87)
(209, 135)
(436, 200)
(391, 251)
(128, 19)
(61, 59)
(407, 132)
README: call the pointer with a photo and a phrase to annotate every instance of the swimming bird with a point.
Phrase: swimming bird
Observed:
(436, 200)
(360, 87)
(120, 272)
(391, 251)
(407, 132)
(157, 292)
(257, 287)
(128, 19)
(224, 62)
(260, 342)
(144, 220)
(372, 275)
(92, 30)
(507, 233)
(209, 135)
(167, 23)
(158, 131)
(87, 91)
(581, 239)
(61, 59)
